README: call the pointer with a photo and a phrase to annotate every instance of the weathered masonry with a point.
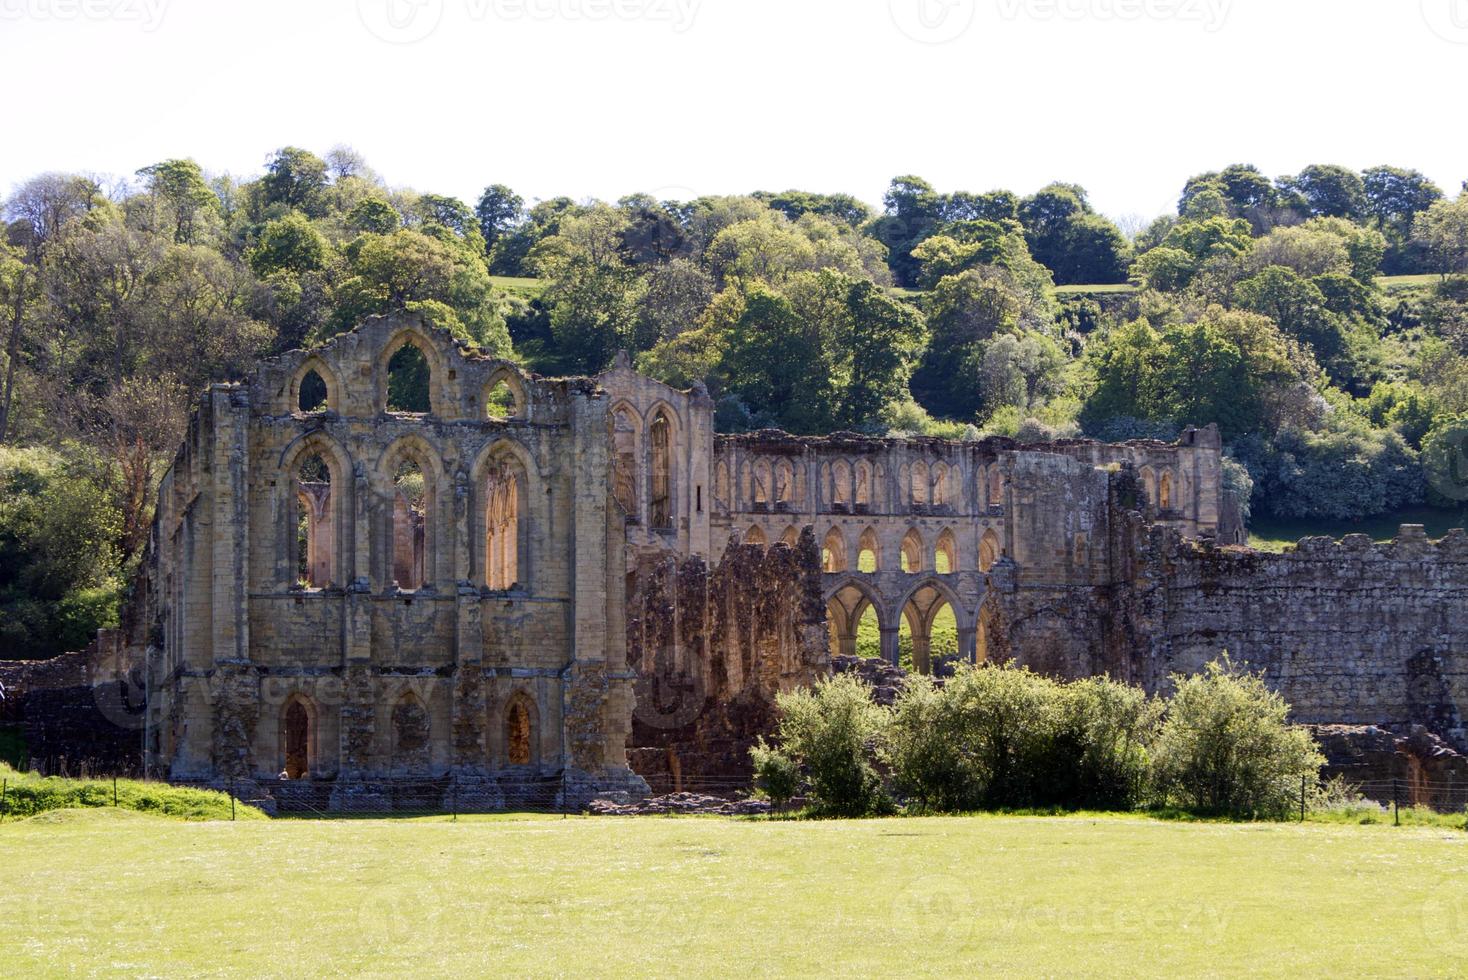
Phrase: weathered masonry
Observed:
(394, 557)
(908, 528)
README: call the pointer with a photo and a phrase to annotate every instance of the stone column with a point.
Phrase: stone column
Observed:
(968, 640)
(891, 652)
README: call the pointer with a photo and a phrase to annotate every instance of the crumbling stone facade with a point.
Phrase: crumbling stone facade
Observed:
(572, 584)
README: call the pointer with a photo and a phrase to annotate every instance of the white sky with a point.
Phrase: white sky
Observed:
(685, 97)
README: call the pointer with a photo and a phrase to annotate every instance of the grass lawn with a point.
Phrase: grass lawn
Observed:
(524, 286)
(1269, 535)
(118, 893)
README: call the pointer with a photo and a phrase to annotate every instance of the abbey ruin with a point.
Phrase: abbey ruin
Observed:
(554, 589)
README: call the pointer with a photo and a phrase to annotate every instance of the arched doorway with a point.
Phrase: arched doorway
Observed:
(296, 727)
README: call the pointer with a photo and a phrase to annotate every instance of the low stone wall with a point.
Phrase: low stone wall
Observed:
(77, 711)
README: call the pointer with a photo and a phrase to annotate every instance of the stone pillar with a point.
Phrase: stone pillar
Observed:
(891, 652)
(922, 661)
(968, 641)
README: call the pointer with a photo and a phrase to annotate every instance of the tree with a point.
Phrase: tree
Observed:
(182, 201)
(1297, 306)
(1327, 191)
(912, 212)
(880, 348)
(1070, 239)
(499, 211)
(374, 214)
(19, 289)
(46, 204)
(295, 178)
(774, 362)
(1394, 197)
(290, 244)
(1227, 747)
(1443, 229)
(1246, 192)
(445, 280)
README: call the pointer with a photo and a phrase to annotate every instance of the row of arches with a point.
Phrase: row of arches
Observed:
(409, 535)
(913, 555)
(409, 377)
(411, 735)
(921, 631)
(845, 484)
(643, 449)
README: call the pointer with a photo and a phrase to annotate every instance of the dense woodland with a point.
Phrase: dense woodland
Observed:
(1258, 305)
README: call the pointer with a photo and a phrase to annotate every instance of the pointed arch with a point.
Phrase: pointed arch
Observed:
(863, 483)
(317, 511)
(412, 529)
(506, 492)
(756, 535)
(438, 403)
(841, 476)
(503, 396)
(721, 486)
(997, 486)
(791, 537)
(940, 484)
(989, 550)
(411, 733)
(920, 486)
(912, 551)
(660, 443)
(333, 396)
(833, 551)
(945, 553)
(522, 731)
(298, 736)
(784, 482)
(869, 551)
(626, 447)
(763, 477)
(1164, 491)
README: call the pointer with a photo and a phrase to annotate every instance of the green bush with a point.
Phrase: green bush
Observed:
(775, 774)
(1003, 737)
(829, 733)
(1226, 747)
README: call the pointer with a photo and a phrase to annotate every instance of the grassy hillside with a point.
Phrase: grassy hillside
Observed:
(1271, 535)
(27, 794)
(658, 896)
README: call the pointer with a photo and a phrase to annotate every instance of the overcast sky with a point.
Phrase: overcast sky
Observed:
(686, 97)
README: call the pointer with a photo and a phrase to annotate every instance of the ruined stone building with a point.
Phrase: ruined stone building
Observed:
(392, 556)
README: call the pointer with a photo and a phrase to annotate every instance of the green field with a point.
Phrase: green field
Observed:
(1271, 535)
(521, 285)
(108, 893)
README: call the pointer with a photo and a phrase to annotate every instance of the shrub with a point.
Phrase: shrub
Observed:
(775, 774)
(1005, 737)
(28, 794)
(1226, 748)
(931, 761)
(1098, 756)
(829, 734)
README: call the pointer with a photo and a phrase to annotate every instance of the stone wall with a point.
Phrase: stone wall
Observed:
(712, 648)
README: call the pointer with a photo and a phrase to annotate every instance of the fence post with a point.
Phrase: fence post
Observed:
(114, 792)
(1396, 803)
(1302, 798)
(4, 785)
(454, 792)
(231, 799)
